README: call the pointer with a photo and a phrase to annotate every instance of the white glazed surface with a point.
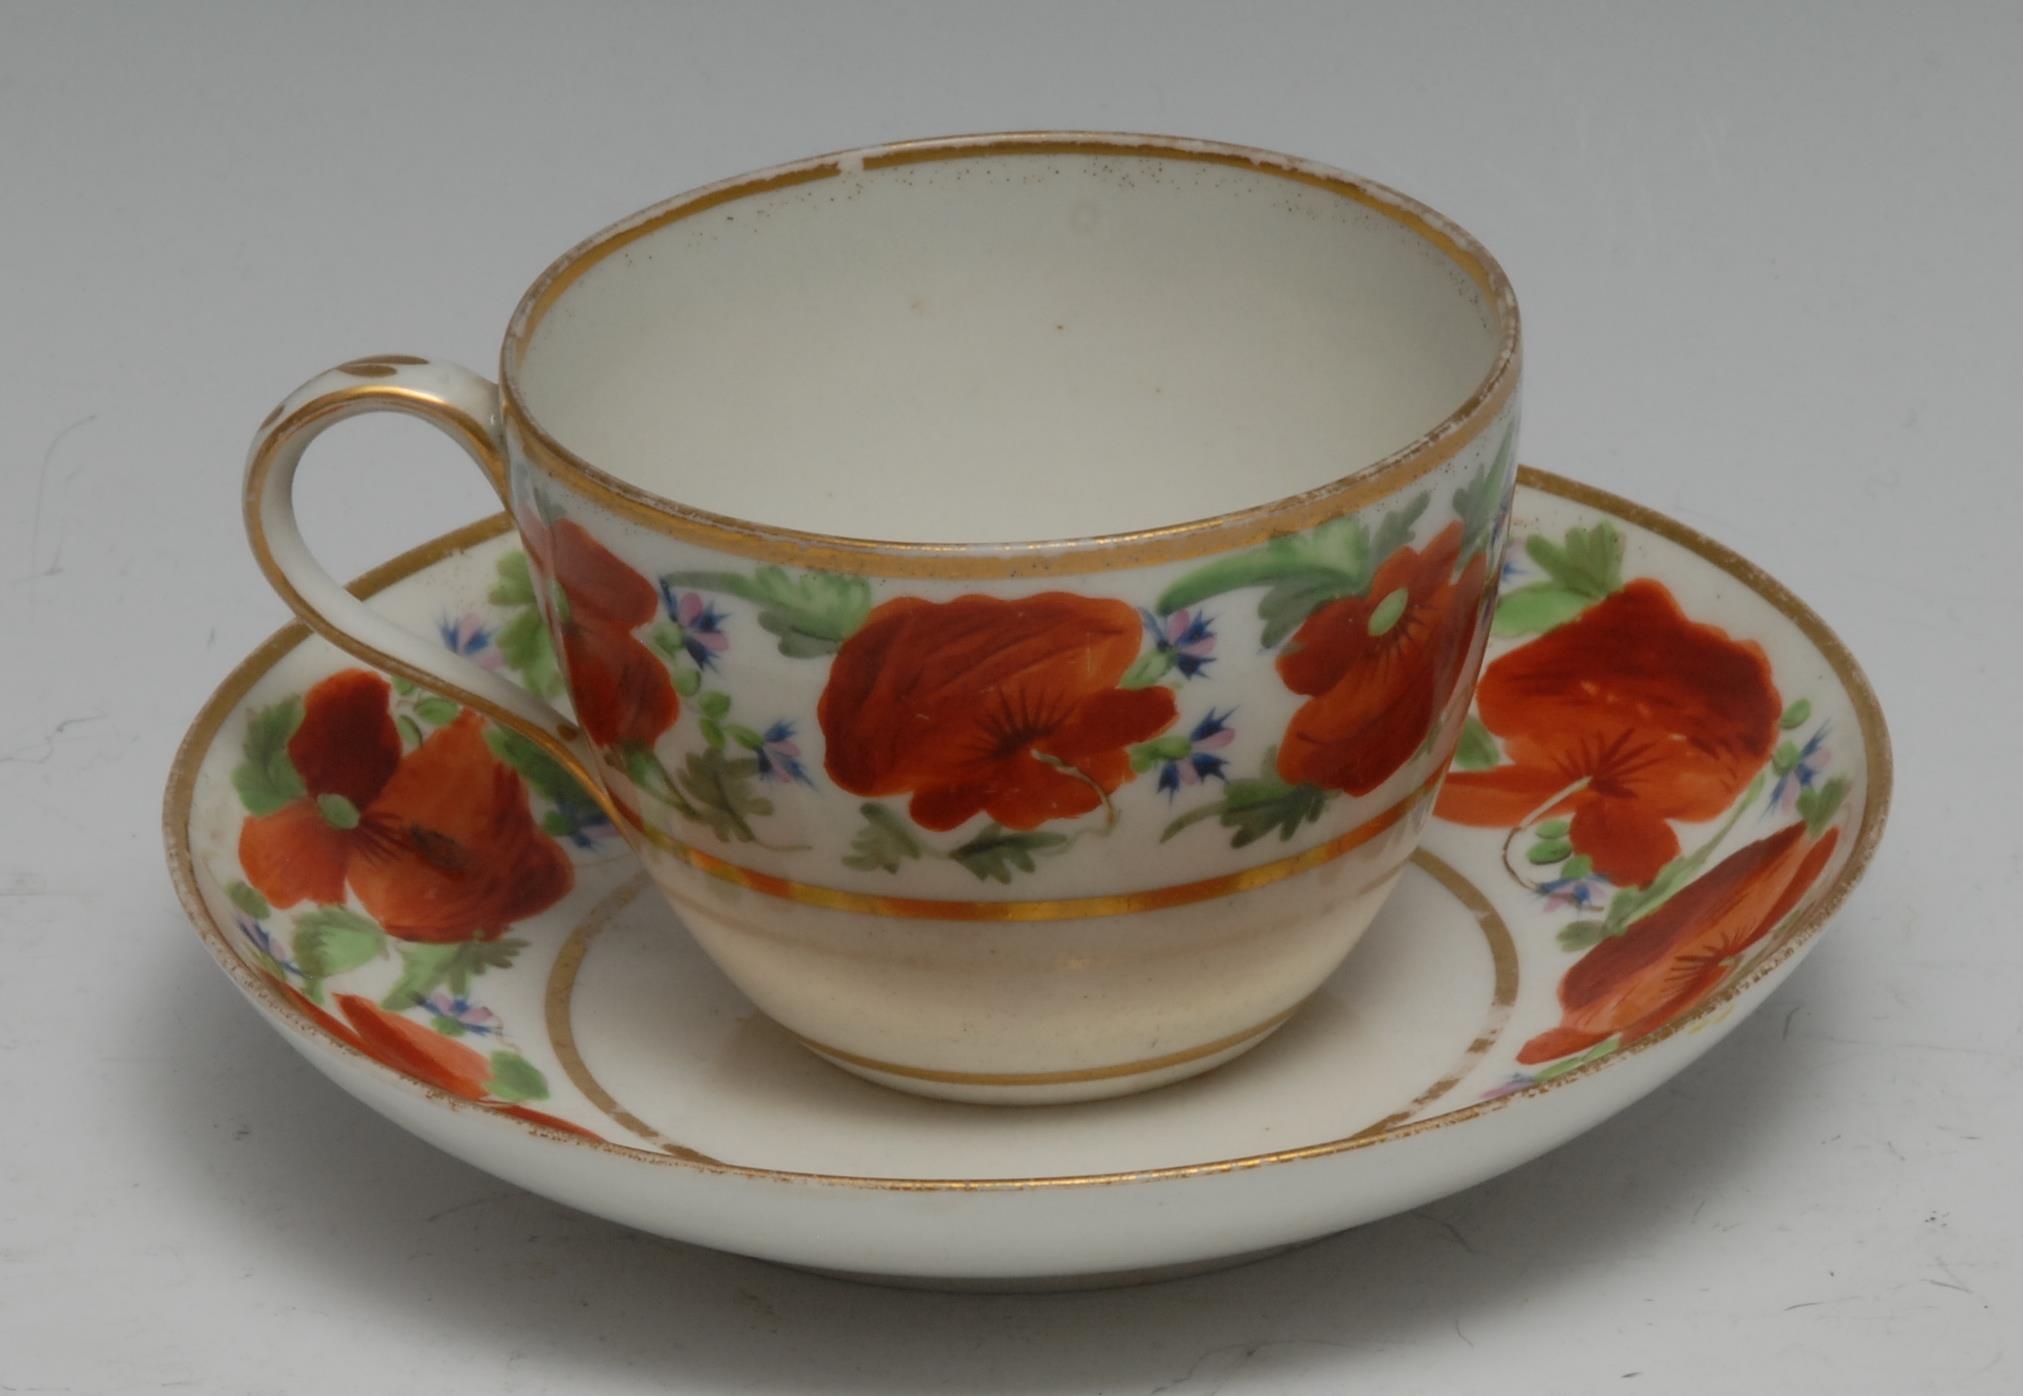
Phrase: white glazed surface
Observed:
(1008, 347)
(1393, 1088)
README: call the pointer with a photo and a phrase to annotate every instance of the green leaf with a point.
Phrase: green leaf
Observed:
(249, 901)
(493, 954)
(1535, 609)
(1577, 867)
(515, 1079)
(1795, 715)
(712, 732)
(646, 772)
(528, 652)
(404, 687)
(725, 794)
(1333, 557)
(1287, 605)
(422, 967)
(436, 711)
(333, 939)
(812, 614)
(744, 736)
(1255, 806)
(1147, 669)
(667, 640)
(515, 586)
(1479, 503)
(448, 1027)
(1819, 805)
(1396, 529)
(1552, 829)
(266, 779)
(1582, 935)
(1171, 747)
(687, 680)
(1784, 760)
(714, 704)
(410, 731)
(883, 843)
(1549, 851)
(996, 852)
(546, 776)
(1477, 749)
(1589, 562)
(337, 812)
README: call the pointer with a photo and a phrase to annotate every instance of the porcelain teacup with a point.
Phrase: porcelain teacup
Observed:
(970, 814)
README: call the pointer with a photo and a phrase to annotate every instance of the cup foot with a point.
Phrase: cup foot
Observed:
(1053, 1087)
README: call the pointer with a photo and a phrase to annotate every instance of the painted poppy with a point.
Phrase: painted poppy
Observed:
(1379, 668)
(1625, 718)
(1663, 965)
(620, 688)
(438, 844)
(984, 705)
(421, 1052)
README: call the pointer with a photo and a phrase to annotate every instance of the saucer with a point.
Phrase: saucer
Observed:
(1673, 774)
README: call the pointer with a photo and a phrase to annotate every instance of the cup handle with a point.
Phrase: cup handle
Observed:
(466, 408)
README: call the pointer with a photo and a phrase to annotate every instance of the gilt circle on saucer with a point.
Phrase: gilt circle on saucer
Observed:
(648, 1030)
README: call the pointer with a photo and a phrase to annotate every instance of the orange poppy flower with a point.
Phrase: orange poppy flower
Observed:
(621, 690)
(981, 705)
(1626, 717)
(420, 1052)
(1663, 965)
(438, 844)
(1379, 668)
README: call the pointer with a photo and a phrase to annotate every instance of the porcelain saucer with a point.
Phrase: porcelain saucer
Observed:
(1585, 917)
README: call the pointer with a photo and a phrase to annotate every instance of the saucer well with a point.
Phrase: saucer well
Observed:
(1673, 775)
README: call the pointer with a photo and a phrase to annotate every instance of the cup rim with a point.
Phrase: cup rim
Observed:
(1053, 556)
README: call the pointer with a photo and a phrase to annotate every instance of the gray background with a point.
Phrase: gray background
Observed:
(1768, 258)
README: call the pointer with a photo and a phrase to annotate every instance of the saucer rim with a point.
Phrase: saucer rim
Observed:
(179, 798)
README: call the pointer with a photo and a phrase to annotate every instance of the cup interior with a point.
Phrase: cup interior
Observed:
(979, 342)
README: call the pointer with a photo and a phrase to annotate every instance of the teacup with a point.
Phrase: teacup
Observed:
(970, 815)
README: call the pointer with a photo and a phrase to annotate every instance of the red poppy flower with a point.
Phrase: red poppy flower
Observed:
(438, 844)
(1009, 708)
(1637, 982)
(420, 1052)
(621, 690)
(1626, 717)
(1379, 668)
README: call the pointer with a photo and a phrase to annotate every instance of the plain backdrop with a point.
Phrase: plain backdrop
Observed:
(1768, 256)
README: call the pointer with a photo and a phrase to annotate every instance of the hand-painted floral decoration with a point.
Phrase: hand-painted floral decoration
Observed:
(982, 705)
(437, 844)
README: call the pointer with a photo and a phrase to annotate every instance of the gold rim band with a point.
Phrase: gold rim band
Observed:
(1048, 1078)
(1052, 558)
(178, 806)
